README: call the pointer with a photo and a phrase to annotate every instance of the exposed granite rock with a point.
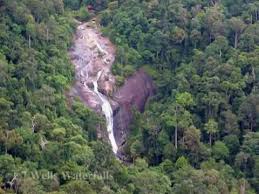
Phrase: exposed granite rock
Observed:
(133, 94)
(106, 84)
(92, 53)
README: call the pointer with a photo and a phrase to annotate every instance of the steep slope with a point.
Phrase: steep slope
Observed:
(93, 55)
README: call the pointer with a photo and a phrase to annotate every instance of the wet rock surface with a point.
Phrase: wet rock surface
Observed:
(91, 53)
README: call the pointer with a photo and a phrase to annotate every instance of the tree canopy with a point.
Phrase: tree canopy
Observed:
(198, 134)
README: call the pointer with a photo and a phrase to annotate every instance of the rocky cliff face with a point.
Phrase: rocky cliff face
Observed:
(92, 54)
(133, 94)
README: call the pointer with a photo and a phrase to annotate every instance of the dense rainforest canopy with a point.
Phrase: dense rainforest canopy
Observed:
(199, 133)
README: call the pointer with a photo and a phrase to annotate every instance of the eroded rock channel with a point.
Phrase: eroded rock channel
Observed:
(93, 55)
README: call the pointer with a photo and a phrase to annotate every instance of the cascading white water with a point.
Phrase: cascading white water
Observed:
(107, 110)
(89, 53)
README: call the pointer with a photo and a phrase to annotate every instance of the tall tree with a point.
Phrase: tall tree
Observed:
(237, 26)
(211, 128)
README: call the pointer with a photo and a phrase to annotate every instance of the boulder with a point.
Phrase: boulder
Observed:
(106, 84)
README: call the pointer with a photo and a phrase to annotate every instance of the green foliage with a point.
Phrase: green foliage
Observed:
(82, 14)
(211, 127)
(220, 150)
(203, 56)
(184, 99)
(74, 4)
(80, 187)
(150, 182)
(181, 162)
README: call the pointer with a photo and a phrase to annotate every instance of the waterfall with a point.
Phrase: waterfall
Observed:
(92, 52)
(107, 110)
